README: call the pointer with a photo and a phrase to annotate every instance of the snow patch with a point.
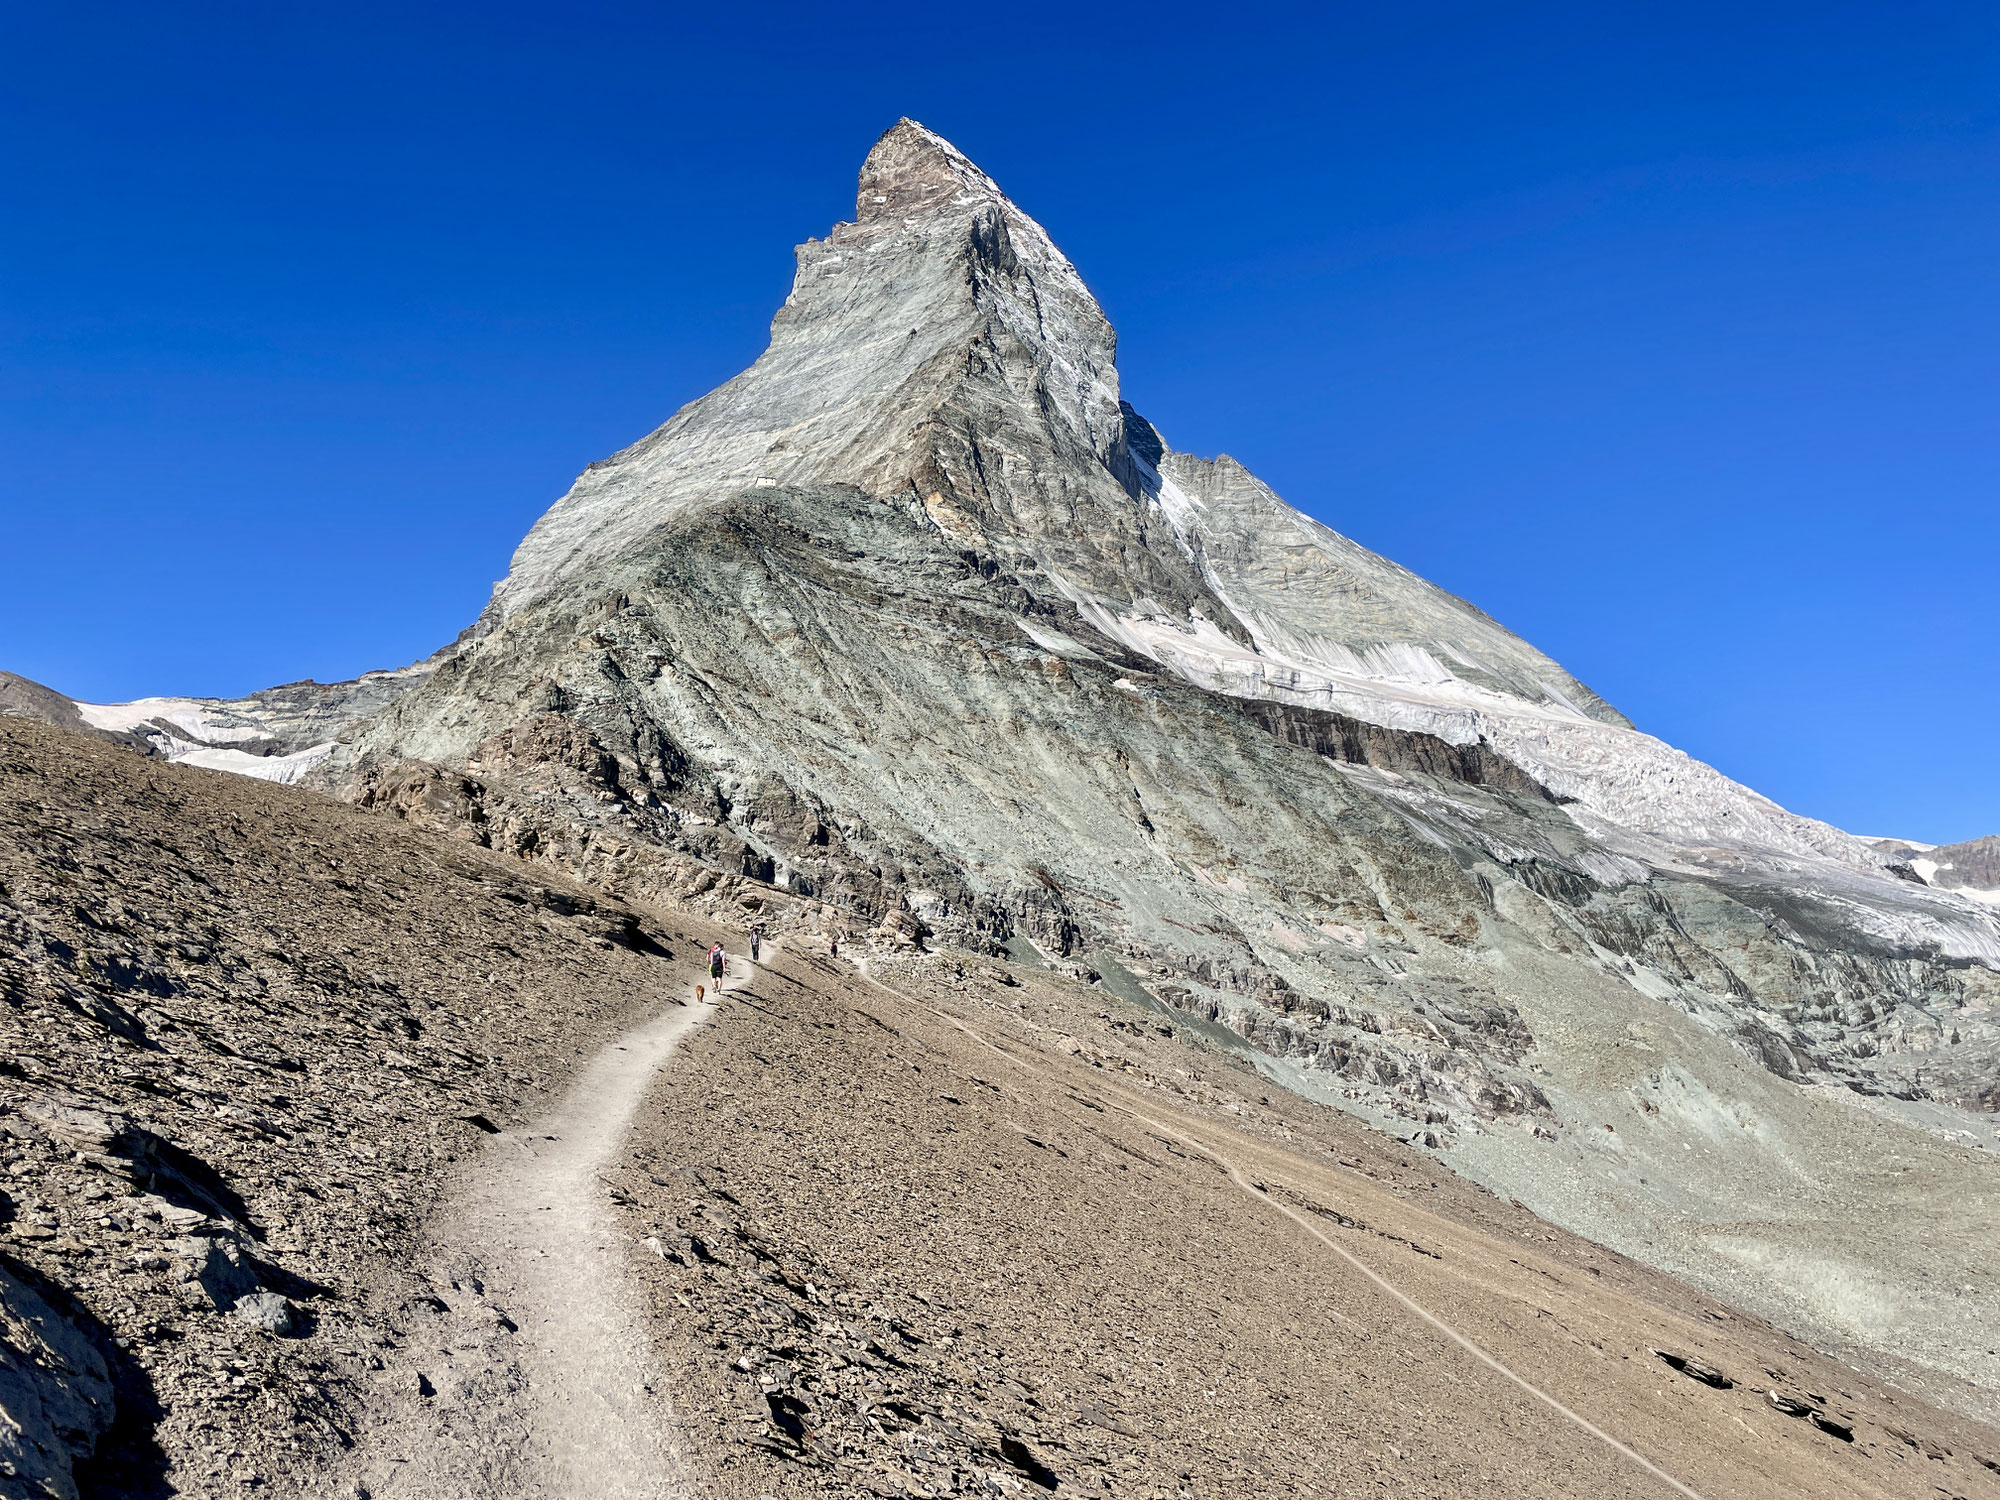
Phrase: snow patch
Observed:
(187, 731)
(284, 769)
(186, 714)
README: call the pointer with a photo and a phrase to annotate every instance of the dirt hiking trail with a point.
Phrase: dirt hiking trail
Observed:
(526, 1373)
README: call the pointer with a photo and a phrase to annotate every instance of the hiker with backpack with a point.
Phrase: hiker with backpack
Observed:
(716, 959)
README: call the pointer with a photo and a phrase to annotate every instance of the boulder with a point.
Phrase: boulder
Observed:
(55, 1394)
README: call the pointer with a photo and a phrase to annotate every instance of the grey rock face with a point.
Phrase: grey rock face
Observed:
(938, 348)
(55, 1394)
(1975, 863)
(917, 619)
(1972, 866)
(22, 699)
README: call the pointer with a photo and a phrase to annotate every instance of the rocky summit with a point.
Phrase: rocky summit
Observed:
(916, 634)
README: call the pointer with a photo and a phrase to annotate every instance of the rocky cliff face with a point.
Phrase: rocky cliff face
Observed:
(939, 349)
(917, 619)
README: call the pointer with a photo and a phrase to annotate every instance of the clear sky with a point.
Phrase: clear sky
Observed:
(1665, 333)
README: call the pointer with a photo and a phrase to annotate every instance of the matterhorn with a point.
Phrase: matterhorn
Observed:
(917, 636)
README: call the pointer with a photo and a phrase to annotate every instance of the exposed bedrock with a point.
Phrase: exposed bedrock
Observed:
(55, 1389)
(815, 689)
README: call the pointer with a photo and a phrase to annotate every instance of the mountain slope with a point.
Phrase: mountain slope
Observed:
(949, 1221)
(246, 1034)
(958, 1227)
(917, 622)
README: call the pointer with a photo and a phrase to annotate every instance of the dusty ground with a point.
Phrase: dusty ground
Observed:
(559, 1396)
(954, 1235)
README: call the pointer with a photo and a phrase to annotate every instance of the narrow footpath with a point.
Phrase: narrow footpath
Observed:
(526, 1375)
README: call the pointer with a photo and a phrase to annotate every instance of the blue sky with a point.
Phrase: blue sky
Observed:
(1666, 334)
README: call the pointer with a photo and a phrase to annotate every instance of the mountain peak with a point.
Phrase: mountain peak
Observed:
(940, 351)
(912, 171)
(938, 327)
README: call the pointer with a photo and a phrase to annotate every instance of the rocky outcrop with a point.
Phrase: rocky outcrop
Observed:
(55, 1392)
(1972, 867)
(1360, 743)
(22, 699)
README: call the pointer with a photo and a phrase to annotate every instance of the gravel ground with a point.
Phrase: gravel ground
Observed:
(973, 1229)
(245, 1033)
(532, 1376)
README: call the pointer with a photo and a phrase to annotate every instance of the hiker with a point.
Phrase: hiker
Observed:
(756, 943)
(715, 962)
(834, 948)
